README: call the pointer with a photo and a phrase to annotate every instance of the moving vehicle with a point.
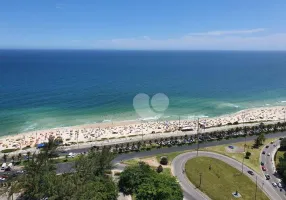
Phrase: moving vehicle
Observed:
(263, 152)
(268, 154)
(266, 146)
(4, 166)
(71, 155)
(263, 168)
(267, 176)
(279, 185)
(250, 172)
(262, 163)
(274, 184)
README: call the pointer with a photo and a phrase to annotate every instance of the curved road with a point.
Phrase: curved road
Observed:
(270, 165)
(190, 191)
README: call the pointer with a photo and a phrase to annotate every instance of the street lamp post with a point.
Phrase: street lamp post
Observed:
(200, 179)
(198, 137)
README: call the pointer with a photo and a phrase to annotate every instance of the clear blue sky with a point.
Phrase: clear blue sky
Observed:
(144, 24)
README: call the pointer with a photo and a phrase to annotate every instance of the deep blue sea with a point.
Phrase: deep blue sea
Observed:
(52, 88)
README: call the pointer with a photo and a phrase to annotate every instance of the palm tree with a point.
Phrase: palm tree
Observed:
(13, 159)
(5, 157)
(28, 154)
(20, 157)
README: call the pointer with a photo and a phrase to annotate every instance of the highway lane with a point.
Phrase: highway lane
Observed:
(269, 164)
(128, 156)
(202, 145)
(190, 190)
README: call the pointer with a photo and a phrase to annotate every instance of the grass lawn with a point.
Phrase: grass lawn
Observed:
(219, 182)
(131, 162)
(252, 162)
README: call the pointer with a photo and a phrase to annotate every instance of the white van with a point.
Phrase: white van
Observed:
(4, 166)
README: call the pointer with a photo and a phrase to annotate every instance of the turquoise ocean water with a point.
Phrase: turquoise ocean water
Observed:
(42, 89)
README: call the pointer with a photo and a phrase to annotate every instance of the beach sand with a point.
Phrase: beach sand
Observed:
(112, 130)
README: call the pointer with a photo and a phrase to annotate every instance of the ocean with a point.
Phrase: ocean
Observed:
(42, 89)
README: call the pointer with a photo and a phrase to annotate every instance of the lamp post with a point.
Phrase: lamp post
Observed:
(200, 179)
(242, 164)
(198, 136)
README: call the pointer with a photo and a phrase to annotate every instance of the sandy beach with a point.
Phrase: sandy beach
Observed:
(112, 130)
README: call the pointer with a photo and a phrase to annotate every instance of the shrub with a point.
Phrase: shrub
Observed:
(164, 161)
(8, 150)
(247, 155)
(159, 169)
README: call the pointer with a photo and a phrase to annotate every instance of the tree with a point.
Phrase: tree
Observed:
(161, 186)
(20, 157)
(133, 176)
(160, 169)
(259, 140)
(247, 155)
(28, 155)
(164, 160)
(283, 144)
(13, 159)
(5, 158)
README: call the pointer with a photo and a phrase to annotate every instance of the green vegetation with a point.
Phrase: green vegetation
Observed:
(89, 181)
(253, 162)
(170, 156)
(219, 180)
(8, 150)
(144, 183)
(259, 141)
(164, 160)
(280, 159)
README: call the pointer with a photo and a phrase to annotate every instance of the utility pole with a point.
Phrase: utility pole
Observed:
(77, 140)
(244, 130)
(200, 179)
(255, 187)
(198, 137)
(262, 187)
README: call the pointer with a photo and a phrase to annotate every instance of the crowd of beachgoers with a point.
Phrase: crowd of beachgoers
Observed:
(112, 130)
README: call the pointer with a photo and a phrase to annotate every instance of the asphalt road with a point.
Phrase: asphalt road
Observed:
(68, 167)
(190, 191)
(270, 166)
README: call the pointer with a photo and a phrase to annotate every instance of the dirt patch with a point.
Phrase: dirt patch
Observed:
(151, 161)
(234, 149)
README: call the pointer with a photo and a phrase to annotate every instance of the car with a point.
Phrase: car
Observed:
(266, 146)
(274, 184)
(263, 152)
(267, 176)
(281, 138)
(268, 154)
(272, 142)
(250, 172)
(2, 178)
(262, 163)
(279, 185)
(263, 168)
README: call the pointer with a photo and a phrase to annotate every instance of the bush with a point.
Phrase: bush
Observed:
(159, 169)
(164, 161)
(247, 155)
(8, 150)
